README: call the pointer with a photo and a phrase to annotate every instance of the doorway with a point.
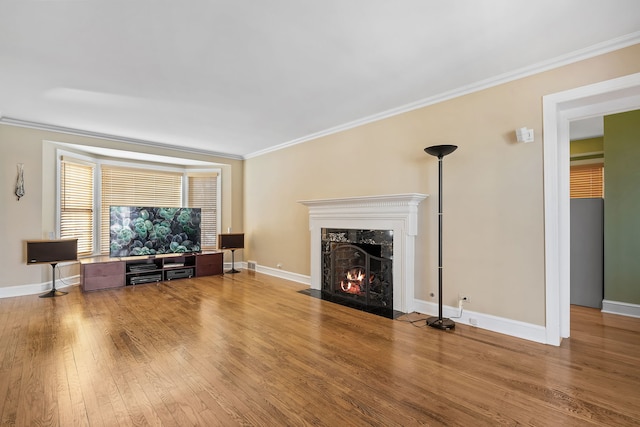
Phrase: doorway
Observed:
(559, 109)
(587, 212)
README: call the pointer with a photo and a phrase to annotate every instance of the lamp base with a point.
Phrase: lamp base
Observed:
(53, 293)
(438, 323)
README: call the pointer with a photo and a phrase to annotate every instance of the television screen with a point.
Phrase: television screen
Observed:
(137, 230)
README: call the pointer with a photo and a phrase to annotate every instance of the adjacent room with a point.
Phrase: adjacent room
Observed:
(329, 213)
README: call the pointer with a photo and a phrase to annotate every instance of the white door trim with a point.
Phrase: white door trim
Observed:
(608, 97)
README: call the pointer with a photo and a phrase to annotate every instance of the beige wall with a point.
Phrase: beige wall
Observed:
(33, 217)
(493, 227)
(493, 188)
(19, 220)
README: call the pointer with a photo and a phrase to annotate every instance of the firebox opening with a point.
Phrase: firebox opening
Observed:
(357, 269)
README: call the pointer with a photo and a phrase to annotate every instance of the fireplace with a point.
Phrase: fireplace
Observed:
(388, 221)
(357, 269)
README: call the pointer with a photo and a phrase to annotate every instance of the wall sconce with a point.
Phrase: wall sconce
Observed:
(20, 181)
(524, 135)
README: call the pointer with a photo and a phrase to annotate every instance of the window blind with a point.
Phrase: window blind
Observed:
(123, 186)
(76, 204)
(587, 181)
(203, 189)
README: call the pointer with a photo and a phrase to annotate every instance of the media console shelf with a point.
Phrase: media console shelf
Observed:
(157, 269)
(104, 272)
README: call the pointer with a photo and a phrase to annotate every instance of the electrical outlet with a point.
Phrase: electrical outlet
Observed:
(464, 298)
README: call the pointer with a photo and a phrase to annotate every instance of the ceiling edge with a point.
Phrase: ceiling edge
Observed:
(575, 56)
(79, 132)
(572, 57)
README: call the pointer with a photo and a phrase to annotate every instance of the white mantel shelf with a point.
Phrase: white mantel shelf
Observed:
(397, 212)
(367, 201)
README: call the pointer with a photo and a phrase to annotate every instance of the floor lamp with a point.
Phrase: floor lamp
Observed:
(440, 151)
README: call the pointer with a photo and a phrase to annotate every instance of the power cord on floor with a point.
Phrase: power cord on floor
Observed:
(416, 321)
(60, 278)
(461, 308)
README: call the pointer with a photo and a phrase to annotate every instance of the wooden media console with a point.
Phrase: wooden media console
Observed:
(104, 272)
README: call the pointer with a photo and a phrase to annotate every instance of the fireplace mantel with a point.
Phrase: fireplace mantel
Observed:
(397, 212)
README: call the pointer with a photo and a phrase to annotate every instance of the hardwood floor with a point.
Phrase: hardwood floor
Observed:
(249, 349)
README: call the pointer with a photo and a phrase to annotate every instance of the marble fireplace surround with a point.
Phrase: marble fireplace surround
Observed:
(397, 212)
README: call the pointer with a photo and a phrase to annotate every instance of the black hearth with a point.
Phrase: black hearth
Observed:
(357, 269)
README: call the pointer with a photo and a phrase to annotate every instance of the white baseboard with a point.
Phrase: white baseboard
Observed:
(621, 308)
(282, 274)
(514, 328)
(500, 325)
(38, 288)
(485, 321)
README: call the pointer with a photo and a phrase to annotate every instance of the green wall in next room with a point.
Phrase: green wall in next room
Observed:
(586, 146)
(622, 207)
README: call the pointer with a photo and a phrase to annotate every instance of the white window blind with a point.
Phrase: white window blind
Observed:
(76, 204)
(203, 190)
(123, 186)
(587, 181)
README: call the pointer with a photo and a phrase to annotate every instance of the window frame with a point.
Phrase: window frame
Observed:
(580, 162)
(200, 171)
(97, 163)
(81, 159)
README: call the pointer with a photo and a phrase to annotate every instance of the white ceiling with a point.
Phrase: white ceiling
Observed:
(586, 128)
(242, 77)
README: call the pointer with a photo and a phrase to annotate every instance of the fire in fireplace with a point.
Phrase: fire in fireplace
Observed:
(353, 284)
(357, 269)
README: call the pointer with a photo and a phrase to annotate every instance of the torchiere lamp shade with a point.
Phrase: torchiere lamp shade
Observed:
(440, 150)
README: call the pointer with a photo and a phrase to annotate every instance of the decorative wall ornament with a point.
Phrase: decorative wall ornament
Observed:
(20, 181)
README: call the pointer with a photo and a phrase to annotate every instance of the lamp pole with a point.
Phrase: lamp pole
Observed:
(440, 151)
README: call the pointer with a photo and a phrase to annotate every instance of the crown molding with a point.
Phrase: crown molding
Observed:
(560, 61)
(572, 57)
(141, 142)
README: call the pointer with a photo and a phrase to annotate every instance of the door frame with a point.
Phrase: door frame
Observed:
(559, 109)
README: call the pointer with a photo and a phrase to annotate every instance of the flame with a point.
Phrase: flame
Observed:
(350, 288)
(355, 277)
(353, 284)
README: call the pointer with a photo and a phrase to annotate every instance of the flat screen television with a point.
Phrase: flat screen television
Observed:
(143, 230)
